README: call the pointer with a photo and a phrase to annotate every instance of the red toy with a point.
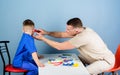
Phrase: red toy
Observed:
(35, 30)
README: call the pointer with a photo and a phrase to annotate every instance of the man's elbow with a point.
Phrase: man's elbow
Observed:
(60, 48)
(64, 48)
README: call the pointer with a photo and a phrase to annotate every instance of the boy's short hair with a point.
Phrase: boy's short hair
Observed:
(75, 22)
(28, 22)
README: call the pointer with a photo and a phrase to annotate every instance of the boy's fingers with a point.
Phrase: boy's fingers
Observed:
(42, 65)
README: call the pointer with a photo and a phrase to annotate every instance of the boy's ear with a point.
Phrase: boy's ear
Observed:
(22, 29)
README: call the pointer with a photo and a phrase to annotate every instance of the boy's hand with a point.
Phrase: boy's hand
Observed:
(40, 65)
(40, 56)
(37, 61)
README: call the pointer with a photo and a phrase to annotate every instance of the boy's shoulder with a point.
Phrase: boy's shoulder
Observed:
(27, 36)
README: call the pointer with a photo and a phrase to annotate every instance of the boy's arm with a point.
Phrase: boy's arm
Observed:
(37, 61)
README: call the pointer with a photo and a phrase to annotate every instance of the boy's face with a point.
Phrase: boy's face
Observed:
(28, 29)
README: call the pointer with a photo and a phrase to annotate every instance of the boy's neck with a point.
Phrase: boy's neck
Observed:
(28, 33)
(28, 30)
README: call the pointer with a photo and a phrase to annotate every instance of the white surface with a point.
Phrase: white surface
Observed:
(61, 70)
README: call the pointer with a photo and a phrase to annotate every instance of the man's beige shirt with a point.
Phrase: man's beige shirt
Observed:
(91, 46)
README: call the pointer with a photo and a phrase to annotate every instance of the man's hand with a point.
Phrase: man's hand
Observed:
(38, 36)
(43, 32)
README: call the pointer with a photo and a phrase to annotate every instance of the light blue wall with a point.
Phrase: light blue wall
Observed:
(101, 15)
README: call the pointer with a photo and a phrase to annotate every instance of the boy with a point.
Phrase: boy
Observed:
(26, 54)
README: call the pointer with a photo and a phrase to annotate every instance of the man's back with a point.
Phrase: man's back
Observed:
(91, 45)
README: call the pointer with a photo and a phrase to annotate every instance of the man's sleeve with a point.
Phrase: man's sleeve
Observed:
(30, 45)
(78, 40)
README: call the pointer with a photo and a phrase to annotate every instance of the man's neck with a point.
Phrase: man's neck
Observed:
(82, 29)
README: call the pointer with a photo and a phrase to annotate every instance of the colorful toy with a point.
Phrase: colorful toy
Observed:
(76, 64)
(64, 59)
(55, 62)
(35, 30)
(68, 62)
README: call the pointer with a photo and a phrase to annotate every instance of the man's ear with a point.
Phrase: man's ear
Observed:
(77, 30)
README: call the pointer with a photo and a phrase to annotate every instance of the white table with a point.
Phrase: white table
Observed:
(61, 70)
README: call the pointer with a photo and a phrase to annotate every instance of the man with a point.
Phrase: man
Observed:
(93, 50)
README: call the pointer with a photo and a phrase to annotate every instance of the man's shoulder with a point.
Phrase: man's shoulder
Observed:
(87, 31)
(88, 28)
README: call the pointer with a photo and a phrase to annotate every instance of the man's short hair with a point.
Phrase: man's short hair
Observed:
(28, 22)
(75, 22)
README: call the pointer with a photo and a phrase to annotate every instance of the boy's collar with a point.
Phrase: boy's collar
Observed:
(28, 33)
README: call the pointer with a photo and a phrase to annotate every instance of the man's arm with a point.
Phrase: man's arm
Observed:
(56, 34)
(60, 34)
(60, 46)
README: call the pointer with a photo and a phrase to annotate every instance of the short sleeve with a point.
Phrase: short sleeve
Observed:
(79, 40)
(30, 45)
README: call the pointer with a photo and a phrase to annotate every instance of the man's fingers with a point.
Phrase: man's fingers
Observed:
(34, 36)
(38, 34)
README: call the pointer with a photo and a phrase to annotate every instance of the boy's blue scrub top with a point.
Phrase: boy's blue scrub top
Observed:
(24, 51)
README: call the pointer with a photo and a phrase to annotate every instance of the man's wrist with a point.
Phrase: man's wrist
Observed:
(47, 33)
(42, 38)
